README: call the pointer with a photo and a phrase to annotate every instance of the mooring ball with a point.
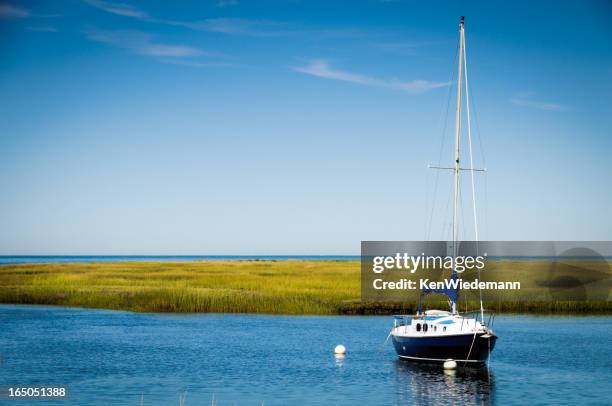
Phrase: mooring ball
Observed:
(450, 364)
(340, 349)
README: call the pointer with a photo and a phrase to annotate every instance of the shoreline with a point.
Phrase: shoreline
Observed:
(57, 306)
(287, 287)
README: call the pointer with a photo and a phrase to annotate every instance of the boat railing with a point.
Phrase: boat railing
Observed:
(481, 315)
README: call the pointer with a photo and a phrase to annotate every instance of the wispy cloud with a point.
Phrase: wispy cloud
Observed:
(322, 69)
(169, 50)
(12, 11)
(231, 26)
(261, 28)
(121, 9)
(196, 64)
(237, 26)
(526, 99)
(144, 44)
(8, 11)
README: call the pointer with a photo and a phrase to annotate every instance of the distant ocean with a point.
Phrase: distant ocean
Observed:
(36, 259)
(49, 259)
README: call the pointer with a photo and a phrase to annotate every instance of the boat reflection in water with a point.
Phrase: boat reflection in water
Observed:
(430, 384)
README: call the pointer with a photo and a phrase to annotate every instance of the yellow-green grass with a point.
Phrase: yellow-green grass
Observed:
(274, 287)
(289, 287)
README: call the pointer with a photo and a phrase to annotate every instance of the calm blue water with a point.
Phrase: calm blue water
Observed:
(44, 259)
(111, 358)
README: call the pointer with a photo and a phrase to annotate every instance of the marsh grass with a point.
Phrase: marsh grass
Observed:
(284, 287)
(274, 287)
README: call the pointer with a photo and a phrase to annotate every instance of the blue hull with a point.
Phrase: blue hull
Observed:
(439, 349)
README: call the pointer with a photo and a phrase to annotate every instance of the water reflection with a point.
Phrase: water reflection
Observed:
(428, 384)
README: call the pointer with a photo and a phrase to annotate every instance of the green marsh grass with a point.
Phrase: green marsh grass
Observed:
(273, 287)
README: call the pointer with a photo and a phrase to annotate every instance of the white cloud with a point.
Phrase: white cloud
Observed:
(526, 100)
(322, 69)
(11, 11)
(144, 44)
(121, 9)
(236, 26)
(196, 64)
(233, 26)
(169, 50)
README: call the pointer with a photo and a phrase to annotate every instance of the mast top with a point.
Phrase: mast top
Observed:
(462, 22)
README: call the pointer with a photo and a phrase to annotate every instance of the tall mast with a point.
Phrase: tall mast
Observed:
(456, 168)
(457, 140)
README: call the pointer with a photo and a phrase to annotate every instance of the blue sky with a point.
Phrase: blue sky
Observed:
(296, 127)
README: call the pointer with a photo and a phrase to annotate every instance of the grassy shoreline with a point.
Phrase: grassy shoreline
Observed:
(306, 287)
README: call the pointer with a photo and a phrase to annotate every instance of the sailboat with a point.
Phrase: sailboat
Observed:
(443, 335)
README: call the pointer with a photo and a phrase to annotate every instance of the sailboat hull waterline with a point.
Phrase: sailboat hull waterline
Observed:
(440, 349)
(438, 336)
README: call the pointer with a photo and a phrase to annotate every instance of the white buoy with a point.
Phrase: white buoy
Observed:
(340, 349)
(450, 364)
